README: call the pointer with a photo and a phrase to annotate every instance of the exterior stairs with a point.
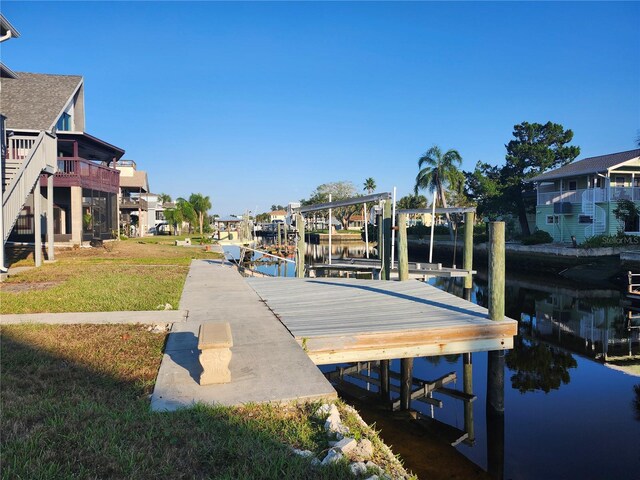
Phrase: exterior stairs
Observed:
(596, 212)
(27, 158)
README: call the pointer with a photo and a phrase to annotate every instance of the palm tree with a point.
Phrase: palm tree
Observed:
(164, 198)
(201, 205)
(187, 211)
(369, 185)
(438, 172)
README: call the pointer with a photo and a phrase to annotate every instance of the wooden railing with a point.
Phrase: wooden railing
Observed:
(590, 194)
(76, 171)
(40, 158)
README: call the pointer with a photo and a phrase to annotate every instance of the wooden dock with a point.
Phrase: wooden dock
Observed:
(350, 320)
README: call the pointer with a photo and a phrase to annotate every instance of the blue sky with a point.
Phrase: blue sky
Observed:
(258, 103)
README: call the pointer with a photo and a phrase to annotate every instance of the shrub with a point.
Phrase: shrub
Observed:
(538, 237)
(599, 241)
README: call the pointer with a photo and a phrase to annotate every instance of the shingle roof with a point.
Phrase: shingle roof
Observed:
(588, 165)
(33, 101)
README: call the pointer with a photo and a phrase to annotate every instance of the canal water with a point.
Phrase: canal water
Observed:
(572, 381)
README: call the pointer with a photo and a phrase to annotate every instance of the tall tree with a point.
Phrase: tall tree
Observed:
(369, 185)
(438, 172)
(535, 149)
(201, 206)
(339, 191)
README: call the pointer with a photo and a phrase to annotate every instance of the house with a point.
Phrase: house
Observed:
(578, 199)
(140, 210)
(45, 117)
(278, 216)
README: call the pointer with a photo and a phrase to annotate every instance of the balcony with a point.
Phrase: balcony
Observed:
(134, 203)
(79, 172)
(612, 194)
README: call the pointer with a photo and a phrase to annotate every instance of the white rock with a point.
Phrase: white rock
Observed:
(358, 468)
(372, 477)
(323, 410)
(332, 443)
(167, 306)
(346, 445)
(303, 453)
(315, 462)
(363, 451)
(332, 457)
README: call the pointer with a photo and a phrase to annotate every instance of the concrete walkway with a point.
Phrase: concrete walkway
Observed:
(267, 364)
(144, 317)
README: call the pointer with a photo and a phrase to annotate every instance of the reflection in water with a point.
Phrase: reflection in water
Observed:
(563, 415)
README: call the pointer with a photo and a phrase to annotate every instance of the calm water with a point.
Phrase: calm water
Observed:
(569, 413)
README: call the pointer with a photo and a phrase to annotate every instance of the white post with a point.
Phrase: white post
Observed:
(433, 226)
(330, 228)
(50, 235)
(366, 229)
(37, 223)
(393, 231)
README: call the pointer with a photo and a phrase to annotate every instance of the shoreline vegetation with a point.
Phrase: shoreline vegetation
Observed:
(75, 398)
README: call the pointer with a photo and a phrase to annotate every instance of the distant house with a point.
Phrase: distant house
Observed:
(278, 216)
(578, 199)
(137, 205)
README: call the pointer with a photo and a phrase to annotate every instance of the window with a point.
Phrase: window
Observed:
(573, 185)
(64, 123)
(585, 219)
(619, 181)
(551, 219)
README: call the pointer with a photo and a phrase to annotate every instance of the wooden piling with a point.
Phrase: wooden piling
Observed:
(406, 375)
(467, 379)
(496, 271)
(302, 247)
(380, 243)
(468, 247)
(384, 381)
(403, 249)
(386, 237)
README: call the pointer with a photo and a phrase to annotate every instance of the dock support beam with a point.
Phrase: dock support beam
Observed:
(495, 359)
(496, 271)
(386, 238)
(467, 380)
(406, 376)
(468, 247)
(403, 249)
(384, 380)
(302, 247)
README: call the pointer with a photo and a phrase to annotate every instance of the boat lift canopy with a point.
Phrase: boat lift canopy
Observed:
(344, 203)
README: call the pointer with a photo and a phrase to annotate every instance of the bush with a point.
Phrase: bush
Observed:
(538, 237)
(600, 241)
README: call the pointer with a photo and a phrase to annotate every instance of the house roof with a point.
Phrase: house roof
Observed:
(5, 26)
(588, 165)
(278, 212)
(33, 101)
(137, 180)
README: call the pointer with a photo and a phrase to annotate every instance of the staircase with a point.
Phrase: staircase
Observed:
(27, 158)
(596, 212)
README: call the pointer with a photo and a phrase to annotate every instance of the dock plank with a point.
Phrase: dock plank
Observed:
(338, 319)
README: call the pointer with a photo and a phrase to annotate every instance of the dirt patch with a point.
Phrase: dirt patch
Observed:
(26, 287)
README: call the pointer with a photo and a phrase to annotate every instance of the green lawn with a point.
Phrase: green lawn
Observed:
(75, 405)
(126, 275)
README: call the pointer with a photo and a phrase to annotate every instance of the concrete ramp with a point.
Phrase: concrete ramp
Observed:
(267, 364)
